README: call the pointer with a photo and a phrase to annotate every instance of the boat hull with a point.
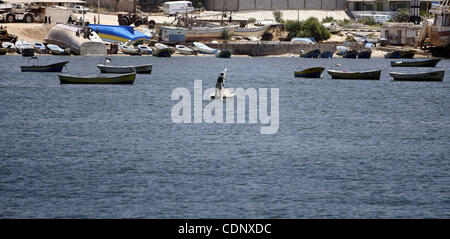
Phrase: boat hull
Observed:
(249, 32)
(400, 54)
(364, 54)
(224, 54)
(314, 72)
(350, 54)
(326, 54)
(140, 69)
(424, 76)
(122, 79)
(57, 67)
(28, 52)
(364, 75)
(425, 63)
(207, 34)
(3, 51)
(312, 54)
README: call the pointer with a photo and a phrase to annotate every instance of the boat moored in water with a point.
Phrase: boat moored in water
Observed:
(313, 72)
(355, 75)
(139, 69)
(120, 79)
(56, 67)
(423, 63)
(422, 76)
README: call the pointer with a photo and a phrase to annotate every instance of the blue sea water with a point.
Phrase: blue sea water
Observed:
(344, 149)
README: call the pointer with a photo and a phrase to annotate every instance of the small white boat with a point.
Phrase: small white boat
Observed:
(39, 48)
(129, 50)
(204, 49)
(184, 50)
(10, 46)
(55, 50)
(24, 46)
(161, 50)
(144, 50)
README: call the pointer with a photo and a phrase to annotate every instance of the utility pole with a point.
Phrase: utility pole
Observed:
(98, 11)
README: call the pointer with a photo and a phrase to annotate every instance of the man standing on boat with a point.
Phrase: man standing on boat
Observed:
(220, 84)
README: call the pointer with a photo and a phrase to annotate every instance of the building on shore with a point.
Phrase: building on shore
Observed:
(385, 5)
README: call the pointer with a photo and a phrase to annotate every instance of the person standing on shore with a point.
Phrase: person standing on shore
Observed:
(95, 19)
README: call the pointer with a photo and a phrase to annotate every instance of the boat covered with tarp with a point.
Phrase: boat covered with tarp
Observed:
(120, 34)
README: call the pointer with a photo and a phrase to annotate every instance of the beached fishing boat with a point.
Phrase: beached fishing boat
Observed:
(56, 50)
(314, 72)
(350, 54)
(311, 54)
(56, 67)
(326, 54)
(120, 79)
(39, 48)
(204, 49)
(364, 54)
(79, 40)
(139, 69)
(341, 50)
(121, 34)
(144, 50)
(439, 29)
(129, 50)
(161, 50)
(208, 33)
(423, 63)
(400, 54)
(251, 31)
(184, 50)
(3, 51)
(224, 54)
(10, 46)
(355, 75)
(24, 48)
(422, 76)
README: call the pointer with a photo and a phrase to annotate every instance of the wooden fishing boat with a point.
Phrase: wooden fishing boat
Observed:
(311, 54)
(120, 79)
(326, 54)
(355, 75)
(400, 54)
(251, 31)
(365, 54)
(424, 63)
(350, 54)
(161, 50)
(140, 69)
(224, 54)
(57, 67)
(314, 72)
(439, 29)
(208, 33)
(423, 76)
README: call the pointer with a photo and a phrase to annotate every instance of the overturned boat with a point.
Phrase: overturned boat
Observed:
(80, 40)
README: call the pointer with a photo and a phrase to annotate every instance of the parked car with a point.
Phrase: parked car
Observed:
(80, 9)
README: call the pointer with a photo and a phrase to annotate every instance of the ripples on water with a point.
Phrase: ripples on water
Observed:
(344, 149)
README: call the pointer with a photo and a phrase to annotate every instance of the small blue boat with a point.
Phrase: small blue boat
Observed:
(311, 54)
(326, 54)
(314, 72)
(350, 54)
(120, 34)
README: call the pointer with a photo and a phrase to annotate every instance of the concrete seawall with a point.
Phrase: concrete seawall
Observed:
(276, 48)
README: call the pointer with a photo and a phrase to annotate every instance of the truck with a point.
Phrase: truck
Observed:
(20, 12)
(175, 7)
(137, 18)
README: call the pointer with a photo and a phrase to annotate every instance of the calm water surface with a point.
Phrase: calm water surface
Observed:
(344, 149)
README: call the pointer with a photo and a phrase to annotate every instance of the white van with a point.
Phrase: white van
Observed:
(172, 8)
